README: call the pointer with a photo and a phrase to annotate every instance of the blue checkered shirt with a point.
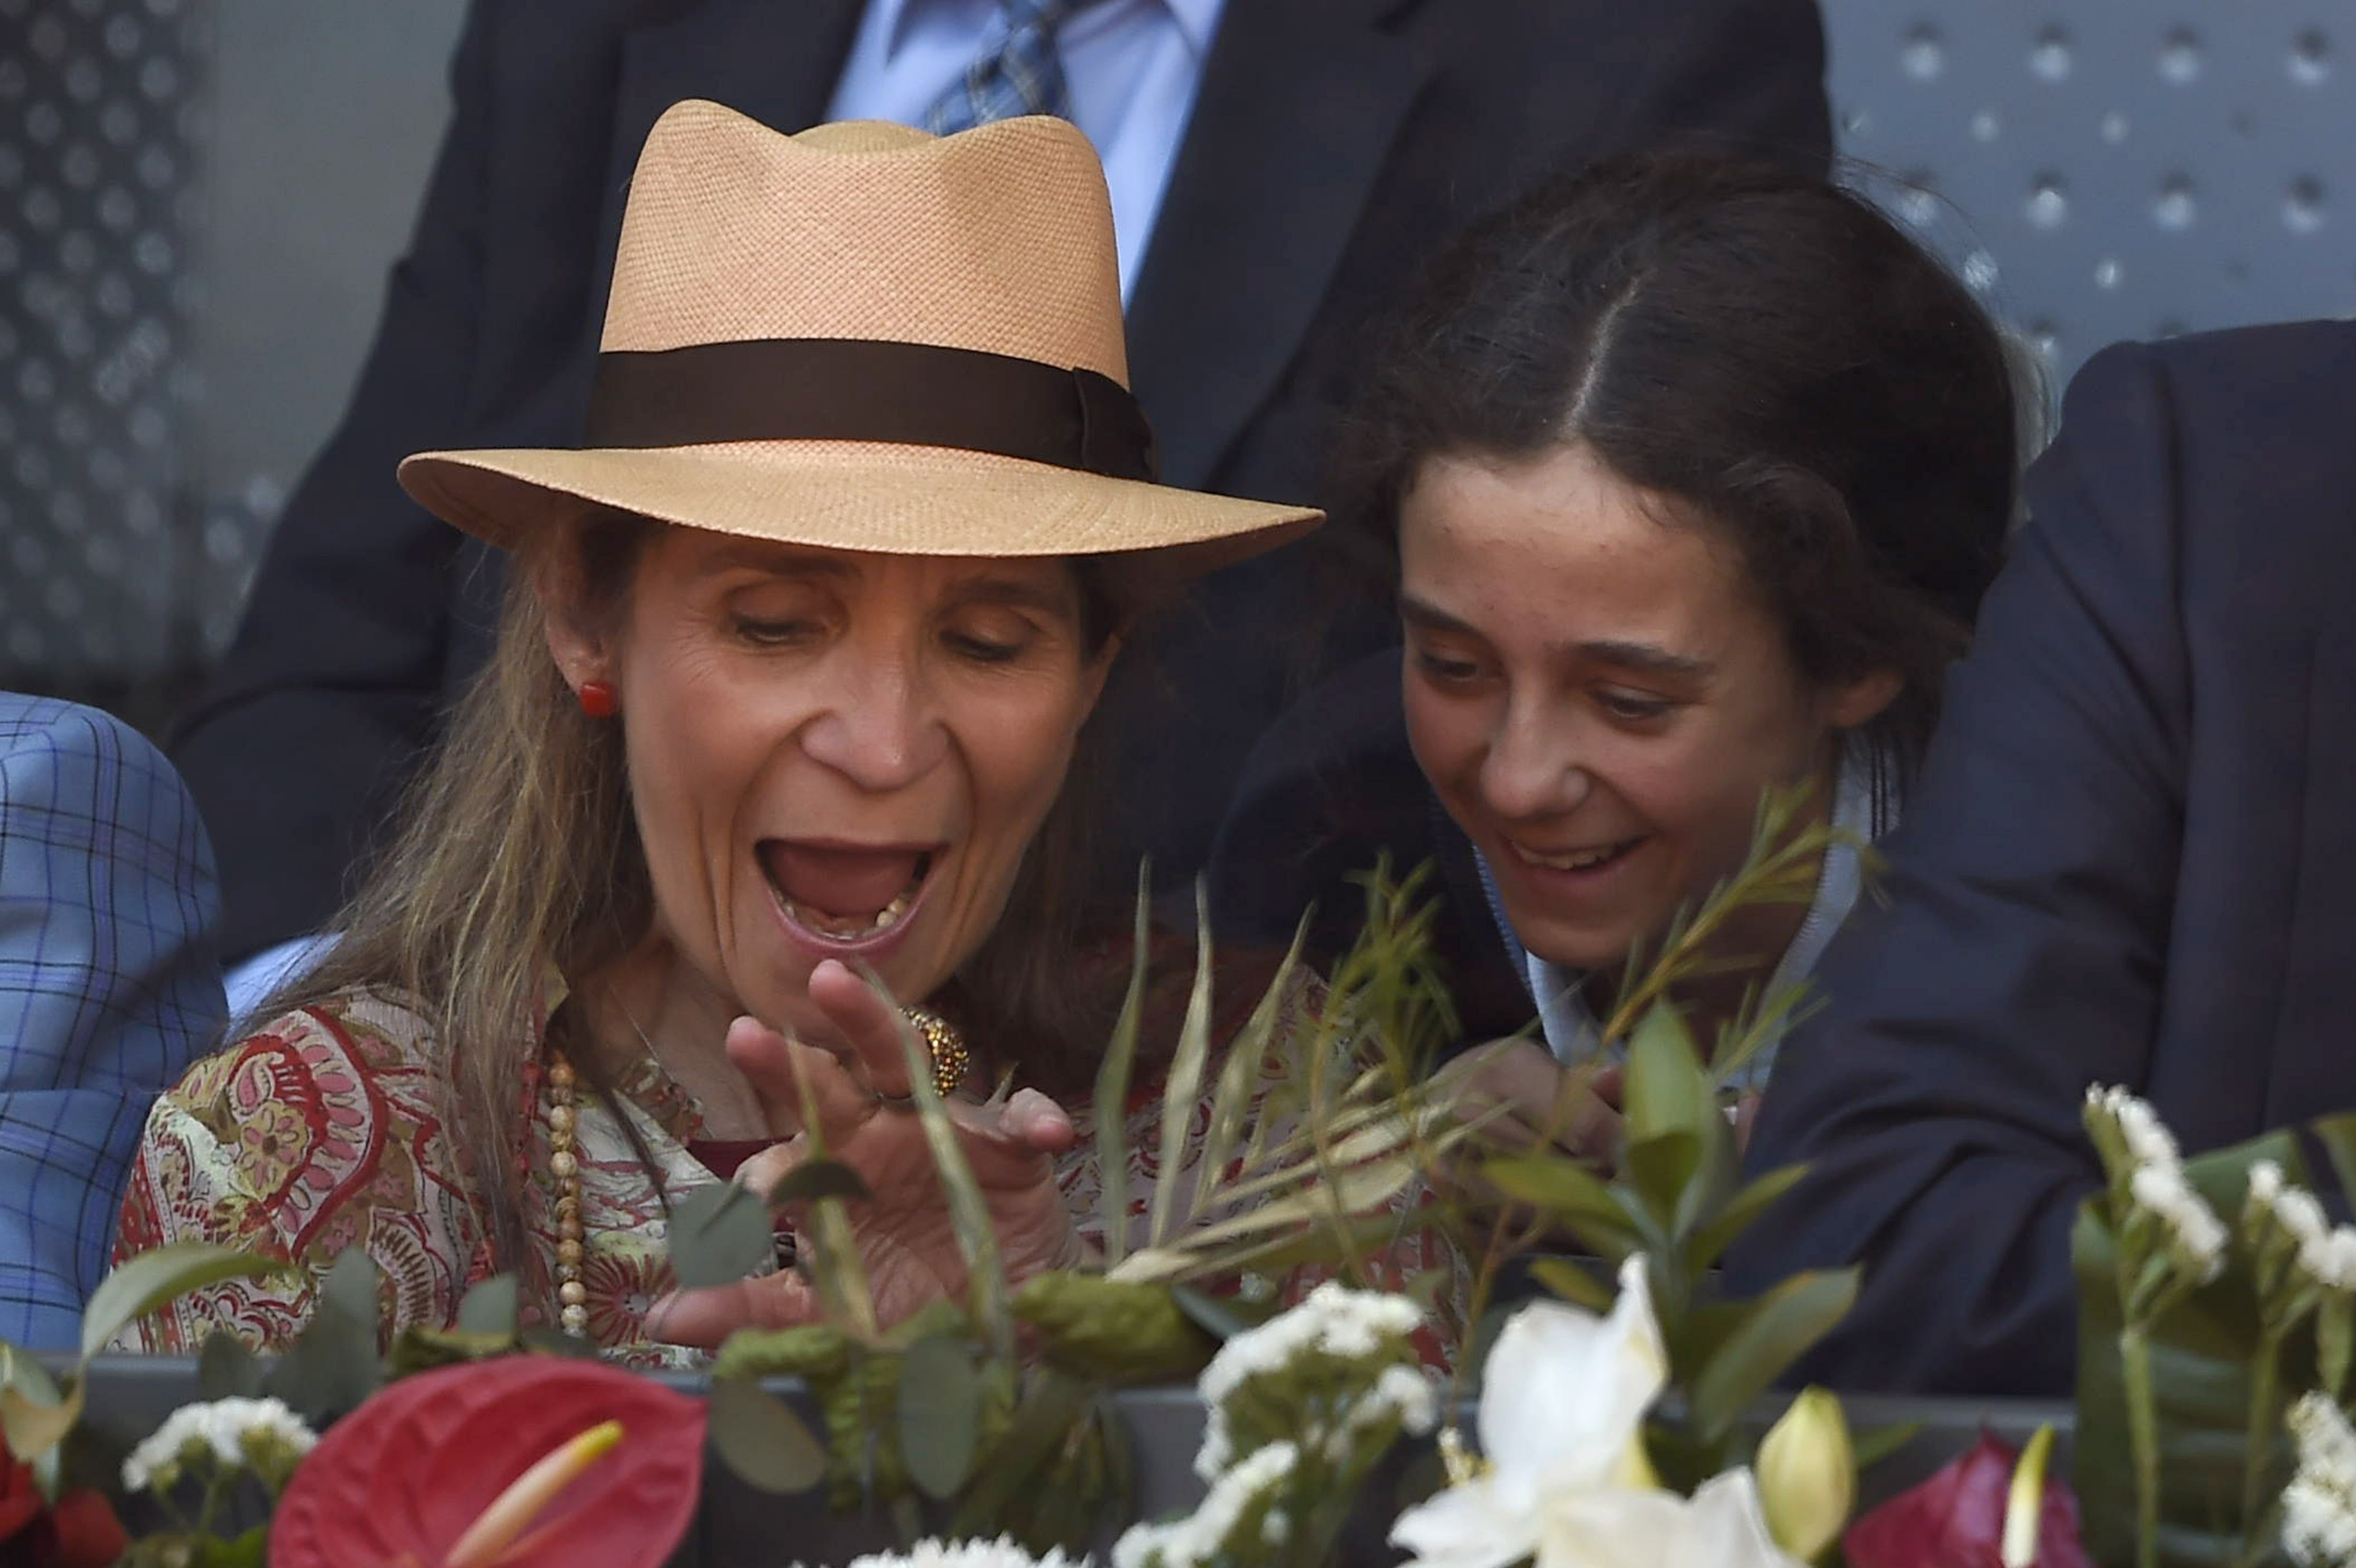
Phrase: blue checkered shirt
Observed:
(109, 988)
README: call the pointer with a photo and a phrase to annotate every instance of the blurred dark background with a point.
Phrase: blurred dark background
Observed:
(198, 199)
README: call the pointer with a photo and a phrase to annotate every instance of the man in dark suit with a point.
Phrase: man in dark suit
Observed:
(1324, 147)
(2131, 860)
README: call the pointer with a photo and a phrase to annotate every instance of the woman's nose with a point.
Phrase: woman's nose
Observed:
(1532, 767)
(880, 729)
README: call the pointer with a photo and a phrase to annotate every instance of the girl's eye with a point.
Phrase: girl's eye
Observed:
(1632, 709)
(1438, 667)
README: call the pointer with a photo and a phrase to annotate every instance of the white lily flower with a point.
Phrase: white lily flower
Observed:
(1720, 1526)
(1562, 1398)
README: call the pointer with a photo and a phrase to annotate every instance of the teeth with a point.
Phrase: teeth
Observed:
(1577, 860)
(852, 929)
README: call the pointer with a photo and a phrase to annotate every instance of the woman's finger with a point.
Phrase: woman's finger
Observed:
(870, 1025)
(787, 1075)
(704, 1318)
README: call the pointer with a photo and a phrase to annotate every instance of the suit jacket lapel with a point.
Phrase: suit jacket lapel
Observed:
(1299, 103)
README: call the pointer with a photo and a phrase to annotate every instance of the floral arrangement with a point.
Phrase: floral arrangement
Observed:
(1626, 1416)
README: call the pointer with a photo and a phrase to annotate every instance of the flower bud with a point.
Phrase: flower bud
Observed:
(1807, 1475)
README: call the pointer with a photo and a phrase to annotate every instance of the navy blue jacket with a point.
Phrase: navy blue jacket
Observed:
(2130, 859)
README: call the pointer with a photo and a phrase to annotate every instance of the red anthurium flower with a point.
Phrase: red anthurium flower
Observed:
(79, 1531)
(1955, 1519)
(406, 1478)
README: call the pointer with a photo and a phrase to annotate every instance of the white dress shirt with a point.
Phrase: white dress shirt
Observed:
(1133, 66)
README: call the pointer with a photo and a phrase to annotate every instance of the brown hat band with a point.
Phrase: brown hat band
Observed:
(840, 389)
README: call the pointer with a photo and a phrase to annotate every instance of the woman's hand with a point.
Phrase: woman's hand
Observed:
(1524, 1098)
(904, 1232)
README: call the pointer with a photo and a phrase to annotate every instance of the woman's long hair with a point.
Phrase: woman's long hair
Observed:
(516, 857)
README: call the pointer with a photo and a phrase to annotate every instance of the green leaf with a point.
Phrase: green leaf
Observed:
(31, 1426)
(140, 1285)
(1712, 1238)
(816, 1351)
(1667, 1089)
(490, 1308)
(1572, 1283)
(718, 1234)
(420, 1350)
(1111, 1331)
(250, 1549)
(1182, 1088)
(816, 1178)
(332, 1366)
(2338, 1136)
(1112, 1084)
(1571, 1196)
(1874, 1444)
(1659, 1170)
(2201, 1351)
(940, 1415)
(226, 1368)
(977, 1234)
(1051, 1408)
(1774, 1331)
(1221, 1317)
(762, 1441)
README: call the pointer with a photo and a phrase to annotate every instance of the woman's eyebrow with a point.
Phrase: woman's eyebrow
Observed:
(1015, 593)
(781, 560)
(1645, 658)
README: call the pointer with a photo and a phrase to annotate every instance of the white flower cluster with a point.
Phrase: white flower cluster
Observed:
(2157, 1184)
(261, 1433)
(2326, 1254)
(2319, 1507)
(1349, 1324)
(999, 1553)
(1200, 1537)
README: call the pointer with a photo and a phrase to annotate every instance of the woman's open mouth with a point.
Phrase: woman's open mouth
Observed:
(846, 897)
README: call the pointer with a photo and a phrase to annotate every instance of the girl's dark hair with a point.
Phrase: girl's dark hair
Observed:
(1760, 347)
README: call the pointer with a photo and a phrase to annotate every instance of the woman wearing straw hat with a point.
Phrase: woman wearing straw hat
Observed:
(800, 653)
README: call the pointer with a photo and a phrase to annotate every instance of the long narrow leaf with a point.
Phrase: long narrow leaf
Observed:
(1112, 1085)
(140, 1285)
(1231, 1100)
(1184, 1083)
(969, 1212)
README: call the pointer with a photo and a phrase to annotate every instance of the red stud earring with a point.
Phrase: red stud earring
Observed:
(597, 699)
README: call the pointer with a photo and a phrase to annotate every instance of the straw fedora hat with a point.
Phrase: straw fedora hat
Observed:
(863, 337)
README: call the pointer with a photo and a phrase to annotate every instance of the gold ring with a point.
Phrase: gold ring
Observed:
(944, 1045)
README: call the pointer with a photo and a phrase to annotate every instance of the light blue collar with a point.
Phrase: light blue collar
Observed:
(1197, 19)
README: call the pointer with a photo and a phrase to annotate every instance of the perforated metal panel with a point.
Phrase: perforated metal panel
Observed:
(2103, 169)
(2099, 169)
(102, 120)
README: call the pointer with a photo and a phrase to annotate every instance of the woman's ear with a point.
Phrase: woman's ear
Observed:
(1861, 701)
(579, 641)
(1094, 675)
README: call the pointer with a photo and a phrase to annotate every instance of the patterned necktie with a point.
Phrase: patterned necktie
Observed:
(1025, 75)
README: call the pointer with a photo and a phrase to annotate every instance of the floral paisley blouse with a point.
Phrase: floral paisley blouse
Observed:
(322, 1132)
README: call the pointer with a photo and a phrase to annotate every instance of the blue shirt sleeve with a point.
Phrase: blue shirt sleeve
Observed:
(109, 986)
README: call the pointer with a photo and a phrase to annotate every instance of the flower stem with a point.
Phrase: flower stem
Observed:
(2143, 1439)
(2258, 1446)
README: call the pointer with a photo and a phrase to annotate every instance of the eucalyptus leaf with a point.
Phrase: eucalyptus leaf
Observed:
(1666, 1090)
(816, 1178)
(1774, 1331)
(226, 1368)
(940, 1415)
(139, 1284)
(718, 1234)
(490, 1308)
(332, 1367)
(762, 1441)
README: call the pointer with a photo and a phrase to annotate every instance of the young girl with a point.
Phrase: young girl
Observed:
(1696, 471)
